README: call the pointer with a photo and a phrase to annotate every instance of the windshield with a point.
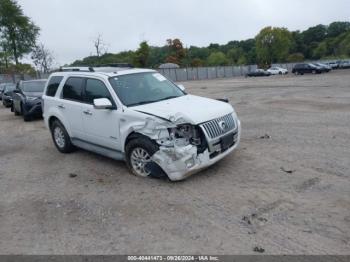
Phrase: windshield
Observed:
(144, 88)
(10, 87)
(33, 86)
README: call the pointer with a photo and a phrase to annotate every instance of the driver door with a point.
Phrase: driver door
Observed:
(101, 126)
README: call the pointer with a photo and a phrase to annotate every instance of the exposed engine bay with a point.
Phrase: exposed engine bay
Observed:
(183, 148)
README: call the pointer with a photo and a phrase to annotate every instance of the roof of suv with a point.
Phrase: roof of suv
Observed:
(106, 73)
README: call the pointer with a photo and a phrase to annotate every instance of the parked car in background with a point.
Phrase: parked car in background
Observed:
(333, 64)
(320, 68)
(7, 94)
(27, 98)
(2, 87)
(275, 70)
(344, 65)
(303, 68)
(258, 72)
(325, 67)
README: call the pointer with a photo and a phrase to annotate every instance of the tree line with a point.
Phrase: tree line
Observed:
(18, 38)
(271, 45)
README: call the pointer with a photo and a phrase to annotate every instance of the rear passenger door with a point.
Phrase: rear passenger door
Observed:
(71, 105)
(101, 126)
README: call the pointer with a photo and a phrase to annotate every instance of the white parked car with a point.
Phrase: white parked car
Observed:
(275, 70)
(139, 116)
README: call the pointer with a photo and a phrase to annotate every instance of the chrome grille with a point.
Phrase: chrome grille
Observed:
(219, 126)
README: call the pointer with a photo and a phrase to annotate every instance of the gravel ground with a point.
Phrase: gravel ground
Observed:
(286, 189)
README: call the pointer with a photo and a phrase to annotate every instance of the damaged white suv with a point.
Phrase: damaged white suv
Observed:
(139, 116)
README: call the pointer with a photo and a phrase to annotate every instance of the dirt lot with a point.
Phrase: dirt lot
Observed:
(286, 189)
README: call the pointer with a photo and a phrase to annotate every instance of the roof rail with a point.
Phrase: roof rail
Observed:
(120, 65)
(77, 69)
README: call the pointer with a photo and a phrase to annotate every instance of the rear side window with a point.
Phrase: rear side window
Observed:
(96, 89)
(52, 87)
(72, 89)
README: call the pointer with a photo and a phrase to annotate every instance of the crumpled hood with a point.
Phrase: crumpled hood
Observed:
(192, 109)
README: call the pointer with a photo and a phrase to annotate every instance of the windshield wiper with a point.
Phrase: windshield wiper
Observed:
(152, 101)
(168, 97)
(143, 103)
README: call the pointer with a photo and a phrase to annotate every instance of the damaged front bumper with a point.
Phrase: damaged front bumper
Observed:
(179, 162)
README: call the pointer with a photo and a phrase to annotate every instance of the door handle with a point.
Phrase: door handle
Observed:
(87, 112)
(61, 106)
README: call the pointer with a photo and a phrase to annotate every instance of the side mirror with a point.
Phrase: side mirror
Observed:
(182, 87)
(102, 103)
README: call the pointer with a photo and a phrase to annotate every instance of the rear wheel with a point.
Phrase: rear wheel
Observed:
(61, 138)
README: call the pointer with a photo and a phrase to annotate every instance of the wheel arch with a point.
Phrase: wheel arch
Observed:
(54, 117)
(133, 135)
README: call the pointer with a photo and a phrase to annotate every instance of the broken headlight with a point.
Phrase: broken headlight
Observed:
(186, 131)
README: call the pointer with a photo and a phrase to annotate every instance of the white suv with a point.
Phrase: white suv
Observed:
(139, 116)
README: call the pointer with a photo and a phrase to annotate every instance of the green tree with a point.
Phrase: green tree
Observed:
(337, 28)
(320, 51)
(236, 56)
(344, 45)
(176, 51)
(273, 45)
(5, 54)
(312, 37)
(142, 55)
(17, 29)
(295, 57)
(217, 59)
(197, 62)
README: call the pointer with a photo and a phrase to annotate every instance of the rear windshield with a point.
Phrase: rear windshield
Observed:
(33, 86)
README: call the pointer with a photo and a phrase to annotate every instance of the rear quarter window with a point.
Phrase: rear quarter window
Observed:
(53, 85)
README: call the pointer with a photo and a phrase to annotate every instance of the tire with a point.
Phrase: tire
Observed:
(135, 155)
(26, 117)
(280, 73)
(313, 71)
(61, 138)
(15, 111)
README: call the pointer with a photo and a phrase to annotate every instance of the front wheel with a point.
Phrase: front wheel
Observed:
(138, 154)
(61, 138)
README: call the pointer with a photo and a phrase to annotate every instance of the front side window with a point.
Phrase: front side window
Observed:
(144, 88)
(53, 85)
(96, 89)
(72, 89)
(33, 86)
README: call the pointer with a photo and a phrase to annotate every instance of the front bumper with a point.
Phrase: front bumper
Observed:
(33, 108)
(180, 162)
(7, 101)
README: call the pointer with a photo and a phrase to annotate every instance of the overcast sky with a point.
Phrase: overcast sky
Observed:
(68, 27)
